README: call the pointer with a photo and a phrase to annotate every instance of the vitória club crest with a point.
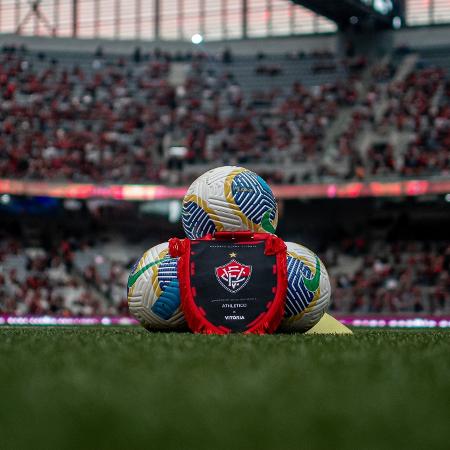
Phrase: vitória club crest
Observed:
(233, 276)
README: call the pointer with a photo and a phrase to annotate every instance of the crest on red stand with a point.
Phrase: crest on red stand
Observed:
(233, 276)
(247, 294)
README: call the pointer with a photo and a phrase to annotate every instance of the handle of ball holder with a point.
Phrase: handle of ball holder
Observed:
(234, 235)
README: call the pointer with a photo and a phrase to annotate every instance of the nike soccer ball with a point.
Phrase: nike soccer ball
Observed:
(228, 199)
(309, 290)
(153, 290)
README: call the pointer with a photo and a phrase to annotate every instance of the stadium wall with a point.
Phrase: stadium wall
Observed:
(277, 45)
(415, 37)
(422, 37)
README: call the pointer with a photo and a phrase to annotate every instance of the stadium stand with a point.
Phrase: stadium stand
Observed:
(70, 277)
(383, 277)
(62, 279)
(96, 118)
(398, 129)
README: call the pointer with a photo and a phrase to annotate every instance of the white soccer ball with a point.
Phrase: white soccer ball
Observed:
(153, 290)
(228, 198)
(309, 290)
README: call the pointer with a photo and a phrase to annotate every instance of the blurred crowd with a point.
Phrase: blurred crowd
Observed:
(122, 121)
(409, 120)
(74, 278)
(45, 280)
(401, 277)
(126, 121)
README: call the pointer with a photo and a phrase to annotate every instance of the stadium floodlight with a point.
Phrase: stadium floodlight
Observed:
(396, 23)
(197, 39)
(5, 199)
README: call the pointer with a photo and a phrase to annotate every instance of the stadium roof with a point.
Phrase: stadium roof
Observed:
(371, 13)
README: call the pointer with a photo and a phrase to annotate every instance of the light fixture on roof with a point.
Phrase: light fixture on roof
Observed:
(197, 39)
(396, 23)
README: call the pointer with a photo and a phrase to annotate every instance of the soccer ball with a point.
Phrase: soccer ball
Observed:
(153, 290)
(228, 198)
(309, 291)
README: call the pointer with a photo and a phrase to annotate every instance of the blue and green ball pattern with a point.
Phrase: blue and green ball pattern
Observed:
(196, 221)
(169, 300)
(253, 196)
(298, 297)
(248, 198)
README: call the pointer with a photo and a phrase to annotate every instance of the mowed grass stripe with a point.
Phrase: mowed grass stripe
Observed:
(108, 388)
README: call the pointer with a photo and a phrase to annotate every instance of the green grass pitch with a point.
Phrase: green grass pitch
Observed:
(125, 388)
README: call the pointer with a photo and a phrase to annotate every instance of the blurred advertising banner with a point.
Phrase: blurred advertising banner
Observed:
(369, 321)
(142, 192)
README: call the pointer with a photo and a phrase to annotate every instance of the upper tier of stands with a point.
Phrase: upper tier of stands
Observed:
(436, 57)
(292, 118)
(259, 72)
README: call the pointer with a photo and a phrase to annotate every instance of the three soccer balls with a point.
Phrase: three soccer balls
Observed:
(227, 199)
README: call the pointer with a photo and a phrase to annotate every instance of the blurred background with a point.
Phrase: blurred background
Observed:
(109, 109)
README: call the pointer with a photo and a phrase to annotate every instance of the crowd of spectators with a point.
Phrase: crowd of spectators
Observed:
(417, 108)
(110, 283)
(270, 70)
(366, 277)
(60, 123)
(122, 120)
(429, 150)
(43, 280)
(413, 107)
(400, 277)
(118, 121)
